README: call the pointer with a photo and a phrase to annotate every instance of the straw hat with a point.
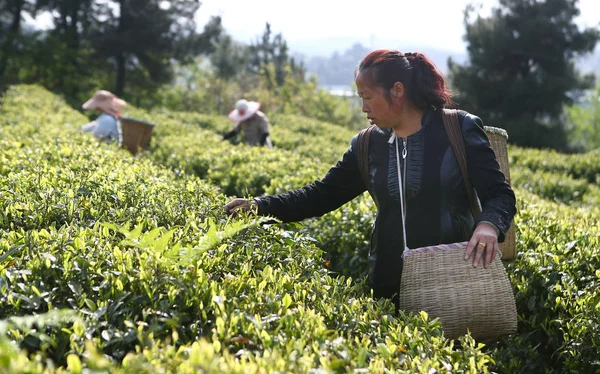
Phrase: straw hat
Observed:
(244, 109)
(106, 102)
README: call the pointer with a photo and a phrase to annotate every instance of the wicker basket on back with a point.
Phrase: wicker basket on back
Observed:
(498, 139)
(135, 134)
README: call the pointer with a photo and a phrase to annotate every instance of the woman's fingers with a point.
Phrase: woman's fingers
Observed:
(479, 250)
(244, 205)
(490, 253)
(471, 246)
(233, 205)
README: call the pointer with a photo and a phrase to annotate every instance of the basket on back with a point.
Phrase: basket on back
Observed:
(498, 139)
(135, 134)
(439, 281)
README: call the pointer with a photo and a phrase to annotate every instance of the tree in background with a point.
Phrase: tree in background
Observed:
(272, 50)
(57, 58)
(65, 51)
(229, 58)
(521, 70)
(262, 71)
(10, 25)
(118, 45)
(583, 121)
(142, 37)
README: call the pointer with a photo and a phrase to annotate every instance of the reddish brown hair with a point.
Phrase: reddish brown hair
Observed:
(423, 82)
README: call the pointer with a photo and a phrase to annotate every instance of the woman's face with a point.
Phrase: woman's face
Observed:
(379, 110)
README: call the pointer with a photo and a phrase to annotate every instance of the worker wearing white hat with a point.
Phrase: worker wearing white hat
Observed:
(252, 122)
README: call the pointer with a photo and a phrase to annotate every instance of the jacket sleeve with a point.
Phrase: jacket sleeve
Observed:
(495, 194)
(89, 127)
(341, 184)
(233, 132)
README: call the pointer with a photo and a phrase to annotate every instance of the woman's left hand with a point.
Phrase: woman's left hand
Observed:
(484, 239)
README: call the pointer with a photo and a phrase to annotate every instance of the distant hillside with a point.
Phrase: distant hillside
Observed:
(337, 69)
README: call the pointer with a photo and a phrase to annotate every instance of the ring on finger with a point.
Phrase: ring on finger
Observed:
(482, 244)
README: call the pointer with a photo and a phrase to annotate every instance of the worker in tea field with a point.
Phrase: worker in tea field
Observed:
(252, 122)
(106, 126)
(409, 154)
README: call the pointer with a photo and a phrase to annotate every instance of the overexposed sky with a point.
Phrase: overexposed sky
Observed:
(434, 23)
(313, 26)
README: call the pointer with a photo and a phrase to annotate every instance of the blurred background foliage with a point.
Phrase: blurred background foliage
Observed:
(520, 73)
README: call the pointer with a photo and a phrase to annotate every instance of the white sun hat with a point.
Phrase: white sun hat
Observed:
(244, 109)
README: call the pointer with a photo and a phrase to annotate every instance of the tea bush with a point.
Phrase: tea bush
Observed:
(187, 143)
(584, 166)
(556, 278)
(110, 263)
(113, 263)
(556, 187)
(550, 182)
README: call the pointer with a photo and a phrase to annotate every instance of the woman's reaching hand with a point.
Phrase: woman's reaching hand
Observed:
(236, 206)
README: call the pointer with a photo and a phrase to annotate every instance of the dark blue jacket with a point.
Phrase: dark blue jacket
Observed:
(436, 203)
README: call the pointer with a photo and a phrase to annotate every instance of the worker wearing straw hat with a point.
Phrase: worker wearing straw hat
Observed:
(252, 122)
(106, 126)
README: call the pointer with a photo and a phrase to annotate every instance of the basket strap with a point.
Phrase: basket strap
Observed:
(457, 142)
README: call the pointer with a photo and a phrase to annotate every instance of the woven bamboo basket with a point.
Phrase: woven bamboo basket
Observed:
(135, 134)
(439, 281)
(498, 139)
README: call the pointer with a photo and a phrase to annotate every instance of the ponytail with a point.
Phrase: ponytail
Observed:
(424, 84)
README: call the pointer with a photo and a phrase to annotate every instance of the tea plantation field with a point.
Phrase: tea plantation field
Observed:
(116, 264)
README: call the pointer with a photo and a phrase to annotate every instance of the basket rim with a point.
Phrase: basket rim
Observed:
(458, 246)
(496, 131)
(133, 119)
